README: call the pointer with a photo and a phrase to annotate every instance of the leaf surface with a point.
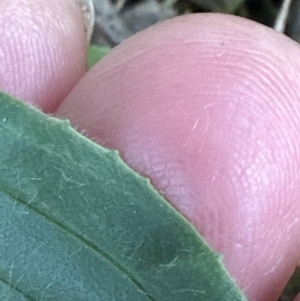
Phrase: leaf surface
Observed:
(78, 224)
(96, 53)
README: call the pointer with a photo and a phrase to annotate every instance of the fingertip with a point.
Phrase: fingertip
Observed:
(43, 50)
(207, 106)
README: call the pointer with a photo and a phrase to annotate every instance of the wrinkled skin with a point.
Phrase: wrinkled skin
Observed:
(207, 106)
(42, 50)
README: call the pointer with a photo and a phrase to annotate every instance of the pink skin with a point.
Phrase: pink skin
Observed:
(297, 298)
(208, 107)
(42, 49)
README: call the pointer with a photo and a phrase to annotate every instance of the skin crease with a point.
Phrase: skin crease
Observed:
(207, 106)
(37, 42)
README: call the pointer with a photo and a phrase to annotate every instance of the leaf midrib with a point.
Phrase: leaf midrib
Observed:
(3, 280)
(77, 237)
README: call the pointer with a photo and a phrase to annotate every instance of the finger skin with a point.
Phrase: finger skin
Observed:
(42, 49)
(208, 107)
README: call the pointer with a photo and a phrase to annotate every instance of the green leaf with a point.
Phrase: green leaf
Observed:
(79, 224)
(96, 53)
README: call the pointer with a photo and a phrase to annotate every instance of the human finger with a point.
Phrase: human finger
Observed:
(42, 49)
(207, 106)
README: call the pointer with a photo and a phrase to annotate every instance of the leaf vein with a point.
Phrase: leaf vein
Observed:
(78, 237)
(15, 287)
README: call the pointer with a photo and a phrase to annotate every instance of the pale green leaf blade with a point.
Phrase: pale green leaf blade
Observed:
(79, 224)
(96, 53)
